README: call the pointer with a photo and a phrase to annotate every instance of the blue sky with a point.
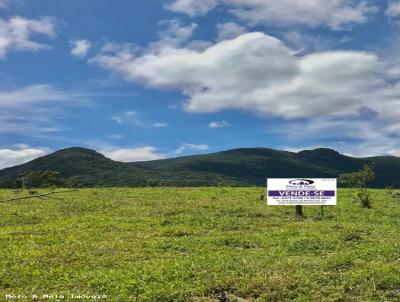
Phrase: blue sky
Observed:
(140, 80)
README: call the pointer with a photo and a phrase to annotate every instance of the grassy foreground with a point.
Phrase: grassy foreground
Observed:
(204, 244)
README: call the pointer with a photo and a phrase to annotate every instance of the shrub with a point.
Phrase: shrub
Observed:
(360, 180)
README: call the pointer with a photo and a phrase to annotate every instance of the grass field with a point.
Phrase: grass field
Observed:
(204, 244)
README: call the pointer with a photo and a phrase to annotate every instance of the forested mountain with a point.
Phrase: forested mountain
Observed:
(238, 167)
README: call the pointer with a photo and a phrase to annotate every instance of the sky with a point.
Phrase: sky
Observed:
(144, 80)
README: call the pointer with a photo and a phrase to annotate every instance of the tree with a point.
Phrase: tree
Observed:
(41, 179)
(30, 179)
(359, 180)
(73, 182)
(51, 179)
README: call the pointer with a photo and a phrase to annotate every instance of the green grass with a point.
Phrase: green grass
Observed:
(196, 245)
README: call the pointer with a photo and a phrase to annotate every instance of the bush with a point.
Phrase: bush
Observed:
(360, 180)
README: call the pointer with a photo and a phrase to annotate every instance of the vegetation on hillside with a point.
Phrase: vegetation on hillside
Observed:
(46, 179)
(240, 167)
(200, 245)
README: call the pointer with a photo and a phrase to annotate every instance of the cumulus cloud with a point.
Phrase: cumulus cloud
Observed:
(192, 7)
(16, 34)
(80, 48)
(20, 154)
(219, 124)
(258, 73)
(393, 9)
(230, 30)
(334, 13)
(306, 43)
(133, 154)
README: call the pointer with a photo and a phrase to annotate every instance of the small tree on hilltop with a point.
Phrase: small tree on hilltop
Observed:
(359, 180)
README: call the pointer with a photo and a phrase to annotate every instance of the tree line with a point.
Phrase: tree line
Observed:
(46, 179)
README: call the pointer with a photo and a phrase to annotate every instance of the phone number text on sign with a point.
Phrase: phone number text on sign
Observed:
(301, 191)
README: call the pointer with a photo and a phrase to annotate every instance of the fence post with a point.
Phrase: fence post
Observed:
(299, 211)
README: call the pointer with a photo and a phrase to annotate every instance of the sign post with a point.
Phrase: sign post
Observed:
(301, 192)
(299, 210)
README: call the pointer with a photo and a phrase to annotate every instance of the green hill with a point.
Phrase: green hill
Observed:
(238, 167)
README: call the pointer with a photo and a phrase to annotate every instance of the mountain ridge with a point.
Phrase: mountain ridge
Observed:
(235, 167)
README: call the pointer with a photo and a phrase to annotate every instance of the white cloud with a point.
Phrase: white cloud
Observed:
(133, 118)
(133, 154)
(258, 73)
(33, 94)
(219, 124)
(191, 147)
(230, 30)
(28, 110)
(26, 125)
(333, 13)
(160, 125)
(16, 34)
(353, 136)
(192, 7)
(120, 47)
(174, 35)
(393, 9)
(128, 117)
(306, 43)
(80, 48)
(142, 153)
(20, 154)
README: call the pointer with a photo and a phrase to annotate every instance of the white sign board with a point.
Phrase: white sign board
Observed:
(301, 191)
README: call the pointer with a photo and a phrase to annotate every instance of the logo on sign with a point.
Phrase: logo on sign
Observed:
(301, 182)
